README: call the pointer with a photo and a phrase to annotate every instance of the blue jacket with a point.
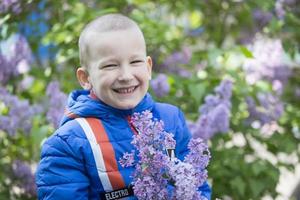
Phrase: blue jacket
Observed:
(68, 168)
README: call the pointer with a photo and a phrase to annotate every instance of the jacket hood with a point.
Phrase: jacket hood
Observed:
(82, 104)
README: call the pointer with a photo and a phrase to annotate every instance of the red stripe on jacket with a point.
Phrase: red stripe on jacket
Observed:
(108, 153)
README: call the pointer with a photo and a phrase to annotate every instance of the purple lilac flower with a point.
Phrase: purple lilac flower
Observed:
(145, 187)
(25, 83)
(56, 104)
(261, 18)
(277, 87)
(175, 62)
(279, 9)
(215, 113)
(19, 116)
(182, 57)
(220, 118)
(268, 62)
(224, 90)
(199, 155)
(26, 181)
(185, 180)
(170, 143)
(268, 109)
(149, 182)
(211, 101)
(160, 85)
(15, 57)
(202, 127)
(13, 5)
(128, 159)
(155, 170)
(5, 71)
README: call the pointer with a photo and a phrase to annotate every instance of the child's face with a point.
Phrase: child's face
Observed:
(119, 70)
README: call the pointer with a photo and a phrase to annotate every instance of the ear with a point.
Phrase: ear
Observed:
(149, 66)
(83, 78)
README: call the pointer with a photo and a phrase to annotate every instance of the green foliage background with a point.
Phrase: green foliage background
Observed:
(166, 25)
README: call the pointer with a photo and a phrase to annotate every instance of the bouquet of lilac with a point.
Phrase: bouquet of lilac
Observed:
(158, 174)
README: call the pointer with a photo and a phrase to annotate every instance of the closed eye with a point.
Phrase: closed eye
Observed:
(136, 61)
(109, 66)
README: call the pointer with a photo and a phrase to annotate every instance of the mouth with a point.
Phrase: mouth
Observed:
(126, 90)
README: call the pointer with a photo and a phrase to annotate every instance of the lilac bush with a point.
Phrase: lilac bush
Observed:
(175, 62)
(57, 100)
(279, 9)
(15, 57)
(19, 113)
(214, 113)
(269, 63)
(26, 180)
(261, 18)
(13, 5)
(268, 109)
(160, 85)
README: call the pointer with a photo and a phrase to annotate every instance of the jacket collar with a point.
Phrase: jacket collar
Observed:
(81, 103)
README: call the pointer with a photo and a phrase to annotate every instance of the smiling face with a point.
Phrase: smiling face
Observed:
(118, 68)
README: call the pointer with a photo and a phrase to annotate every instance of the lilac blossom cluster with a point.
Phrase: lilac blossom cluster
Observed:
(183, 174)
(17, 115)
(190, 174)
(214, 113)
(57, 102)
(127, 159)
(279, 9)
(261, 18)
(10, 5)
(160, 85)
(269, 63)
(282, 6)
(268, 109)
(15, 57)
(175, 62)
(26, 181)
(157, 175)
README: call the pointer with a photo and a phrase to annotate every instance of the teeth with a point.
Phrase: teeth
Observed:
(125, 90)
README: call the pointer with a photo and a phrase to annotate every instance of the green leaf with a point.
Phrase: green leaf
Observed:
(239, 184)
(257, 168)
(263, 85)
(37, 88)
(257, 186)
(246, 52)
(197, 91)
(39, 132)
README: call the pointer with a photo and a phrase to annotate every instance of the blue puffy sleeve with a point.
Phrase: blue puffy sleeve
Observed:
(60, 174)
(183, 137)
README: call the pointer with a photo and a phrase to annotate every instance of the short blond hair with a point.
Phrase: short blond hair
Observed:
(105, 23)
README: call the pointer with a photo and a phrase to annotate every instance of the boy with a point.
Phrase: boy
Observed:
(80, 160)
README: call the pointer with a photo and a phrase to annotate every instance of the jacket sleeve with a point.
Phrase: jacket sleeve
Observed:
(60, 174)
(183, 137)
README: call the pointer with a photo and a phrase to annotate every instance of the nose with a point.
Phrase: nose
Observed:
(126, 73)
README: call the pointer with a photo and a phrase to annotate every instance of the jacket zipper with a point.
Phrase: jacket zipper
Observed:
(131, 125)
